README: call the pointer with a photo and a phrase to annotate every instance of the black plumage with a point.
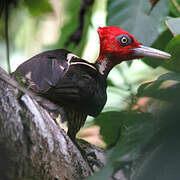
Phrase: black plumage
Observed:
(68, 81)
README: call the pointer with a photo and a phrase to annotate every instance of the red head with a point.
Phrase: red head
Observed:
(117, 45)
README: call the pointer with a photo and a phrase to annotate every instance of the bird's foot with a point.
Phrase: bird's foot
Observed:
(90, 154)
(93, 160)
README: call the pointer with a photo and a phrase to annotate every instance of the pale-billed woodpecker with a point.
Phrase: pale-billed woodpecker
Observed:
(77, 85)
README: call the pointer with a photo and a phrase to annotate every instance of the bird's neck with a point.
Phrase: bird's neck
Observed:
(104, 64)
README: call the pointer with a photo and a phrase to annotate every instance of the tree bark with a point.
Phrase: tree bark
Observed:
(32, 145)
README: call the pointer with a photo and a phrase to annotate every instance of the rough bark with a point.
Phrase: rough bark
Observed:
(32, 145)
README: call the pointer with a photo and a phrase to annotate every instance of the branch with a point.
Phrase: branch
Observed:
(76, 36)
(32, 145)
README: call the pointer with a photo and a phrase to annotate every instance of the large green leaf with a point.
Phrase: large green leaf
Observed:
(162, 160)
(173, 48)
(134, 17)
(166, 87)
(174, 12)
(174, 25)
(37, 8)
(136, 130)
(110, 123)
(160, 44)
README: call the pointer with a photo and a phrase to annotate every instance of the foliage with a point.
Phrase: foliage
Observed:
(37, 8)
(134, 17)
(143, 137)
(73, 8)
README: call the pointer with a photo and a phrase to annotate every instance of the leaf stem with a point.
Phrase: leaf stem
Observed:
(176, 5)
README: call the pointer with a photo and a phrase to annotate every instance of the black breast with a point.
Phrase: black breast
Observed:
(82, 88)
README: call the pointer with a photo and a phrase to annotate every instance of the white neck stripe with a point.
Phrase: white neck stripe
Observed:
(70, 56)
(74, 63)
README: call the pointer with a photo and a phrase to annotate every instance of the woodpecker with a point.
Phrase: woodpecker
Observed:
(77, 85)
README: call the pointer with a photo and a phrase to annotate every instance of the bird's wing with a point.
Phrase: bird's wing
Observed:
(75, 87)
(52, 75)
(43, 71)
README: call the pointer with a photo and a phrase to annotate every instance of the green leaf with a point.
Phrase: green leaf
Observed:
(174, 25)
(136, 131)
(72, 11)
(37, 8)
(110, 82)
(150, 89)
(173, 10)
(134, 17)
(173, 48)
(164, 147)
(162, 163)
(104, 174)
(160, 44)
(170, 76)
(110, 123)
(166, 88)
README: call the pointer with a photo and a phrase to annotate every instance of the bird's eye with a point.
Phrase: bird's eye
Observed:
(124, 40)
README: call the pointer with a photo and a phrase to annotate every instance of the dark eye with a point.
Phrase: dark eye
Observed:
(124, 40)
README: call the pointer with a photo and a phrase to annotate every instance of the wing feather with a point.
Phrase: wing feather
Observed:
(44, 70)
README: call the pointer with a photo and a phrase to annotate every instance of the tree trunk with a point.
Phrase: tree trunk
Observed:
(32, 145)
